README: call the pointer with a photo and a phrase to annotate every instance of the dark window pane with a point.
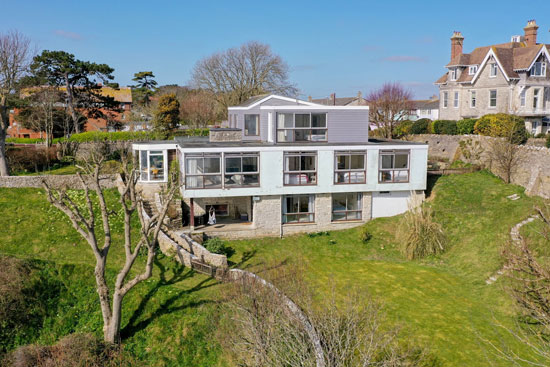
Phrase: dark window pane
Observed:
(308, 163)
(211, 165)
(338, 202)
(357, 161)
(302, 135)
(193, 182)
(285, 120)
(193, 165)
(341, 177)
(387, 161)
(293, 163)
(251, 124)
(250, 164)
(401, 160)
(343, 162)
(232, 164)
(339, 216)
(318, 135)
(212, 181)
(302, 120)
(318, 120)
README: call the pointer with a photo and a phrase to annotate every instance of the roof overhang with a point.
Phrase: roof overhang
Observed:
(484, 62)
(287, 99)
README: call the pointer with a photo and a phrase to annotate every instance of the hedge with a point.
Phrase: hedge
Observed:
(500, 125)
(421, 126)
(91, 136)
(446, 127)
(465, 126)
(403, 128)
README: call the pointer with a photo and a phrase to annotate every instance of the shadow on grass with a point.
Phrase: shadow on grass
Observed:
(246, 256)
(430, 184)
(180, 273)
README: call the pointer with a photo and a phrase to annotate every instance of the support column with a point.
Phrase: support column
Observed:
(191, 214)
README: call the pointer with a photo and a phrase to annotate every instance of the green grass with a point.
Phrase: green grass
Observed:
(63, 170)
(440, 302)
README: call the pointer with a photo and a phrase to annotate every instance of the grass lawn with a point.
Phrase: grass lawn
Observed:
(63, 170)
(440, 302)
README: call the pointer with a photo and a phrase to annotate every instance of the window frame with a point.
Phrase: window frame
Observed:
(454, 74)
(311, 214)
(350, 171)
(473, 99)
(394, 152)
(445, 99)
(257, 124)
(347, 211)
(536, 98)
(523, 98)
(491, 99)
(191, 175)
(543, 67)
(161, 152)
(299, 172)
(456, 99)
(293, 129)
(493, 70)
(472, 69)
(241, 172)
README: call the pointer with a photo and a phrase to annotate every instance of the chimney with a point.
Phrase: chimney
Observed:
(359, 95)
(309, 99)
(456, 44)
(531, 33)
(333, 99)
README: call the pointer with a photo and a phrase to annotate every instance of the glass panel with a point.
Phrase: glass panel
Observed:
(302, 120)
(193, 166)
(211, 165)
(291, 204)
(354, 215)
(308, 163)
(302, 135)
(357, 177)
(143, 165)
(386, 176)
(155, 152)
(401, 176)
(251, 124)
(343, 162)
(156, 167)
(251, 180)
(212, 181)
(304, 204)
(401, 160)
(318, 135)
(338, 202)
(339, 216)
(300, 178)
(292, 163)
(285, 120)
(232, 164)
(354, 201)
(341, 177)
(387, 161)
(357, 161)
(285, 135)
(193, 182)
(250, 164)
(318, 120)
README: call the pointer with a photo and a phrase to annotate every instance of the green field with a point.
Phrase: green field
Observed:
(441, 303)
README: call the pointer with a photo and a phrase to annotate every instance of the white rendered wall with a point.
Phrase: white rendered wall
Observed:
(390, 203)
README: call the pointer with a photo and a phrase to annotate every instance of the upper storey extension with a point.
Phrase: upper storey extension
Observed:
(276, 119)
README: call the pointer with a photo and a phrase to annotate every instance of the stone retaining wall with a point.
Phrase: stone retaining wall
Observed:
(533, 174)
(55, 181)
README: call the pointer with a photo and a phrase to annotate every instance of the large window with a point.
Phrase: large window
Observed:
(394, 166)
(350, 167)
(152, 165)
(251, 125)
(301, 127)
(300, 168)
(538, 69)
(299, 209)
(493, 98)
(347, 206)
(203, 171)
(242, 170)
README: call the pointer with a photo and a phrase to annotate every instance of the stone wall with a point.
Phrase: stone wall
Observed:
(217, 135)
(533, 174)
(55, 181)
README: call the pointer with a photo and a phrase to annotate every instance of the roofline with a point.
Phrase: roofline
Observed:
(491, 52)
(315, 107)
(543, 48)
(288, 99)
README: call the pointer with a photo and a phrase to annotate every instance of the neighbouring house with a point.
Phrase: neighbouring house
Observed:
(424, 109)
(123, 95)
(341, 101)
(286, 165)
(510, 77)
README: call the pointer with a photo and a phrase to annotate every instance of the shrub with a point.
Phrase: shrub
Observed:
(30, 158)
(421, 126)
(403, 128)
(446, 127)
(24, 140)
(540, 136)
(217, 246)
(365, 235)
(419, 234)
(103, 136)
(502, 125)
(465, 126)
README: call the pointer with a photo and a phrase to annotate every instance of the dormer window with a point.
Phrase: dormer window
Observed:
(538, 69)
(454, 74)
(472, 70)
(493, 70)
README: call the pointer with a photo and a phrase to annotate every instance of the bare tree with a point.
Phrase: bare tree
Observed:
(239, 73)
(506, 153)
(389, 105)
(83, 219)
(15, 55)
(198, 109)
(265, 331)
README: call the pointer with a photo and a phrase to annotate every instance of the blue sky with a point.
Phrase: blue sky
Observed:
(330, 46)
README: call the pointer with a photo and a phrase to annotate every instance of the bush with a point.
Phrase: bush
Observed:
(540, 136)
(502, 125)
(72, 350)
(30, 158)
(465, 126)
(420, 235)
(217, 246)
(365, 235)
(403, 128)
(421, 126)
(24, 140)
(446, 127)
(103, 136)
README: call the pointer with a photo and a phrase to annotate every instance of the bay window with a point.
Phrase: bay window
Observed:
(242, 169)
(347, 206)
(393, 166)
(293, 127)
(152, 165)
(251, 125)
(350, 167)
(299, 209)
(203, 171)
(300, 168)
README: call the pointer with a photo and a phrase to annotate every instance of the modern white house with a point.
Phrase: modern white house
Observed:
(286, 165)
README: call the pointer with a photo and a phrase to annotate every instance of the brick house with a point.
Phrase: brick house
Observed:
(512, 77)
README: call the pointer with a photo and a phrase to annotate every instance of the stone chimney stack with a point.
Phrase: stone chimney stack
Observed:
(333, 99)
(531, 33)
(309, 99)
(457, 40)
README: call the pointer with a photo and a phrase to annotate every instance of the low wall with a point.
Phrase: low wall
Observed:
(55, 181)
(533, 173)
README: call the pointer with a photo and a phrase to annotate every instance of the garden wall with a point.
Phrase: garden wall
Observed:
(55, 181)
(533, 174)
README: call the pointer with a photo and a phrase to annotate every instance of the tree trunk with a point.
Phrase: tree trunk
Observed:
(112, 326)
(70, 104)
(4, 123)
